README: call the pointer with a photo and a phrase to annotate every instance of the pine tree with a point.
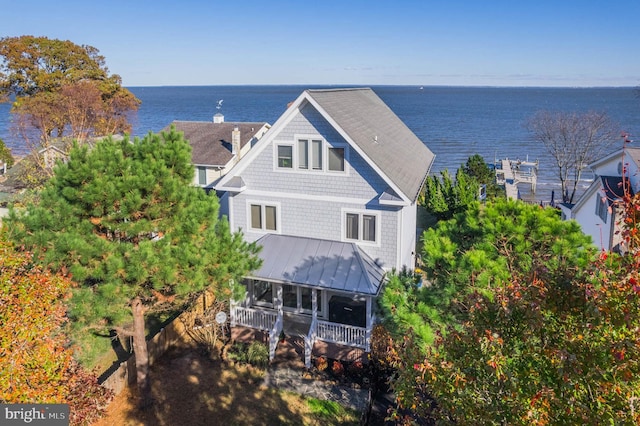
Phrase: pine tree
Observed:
(125, 221)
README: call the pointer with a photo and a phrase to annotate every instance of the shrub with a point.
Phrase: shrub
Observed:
(337, 368)
(258, 354)
(322, 363)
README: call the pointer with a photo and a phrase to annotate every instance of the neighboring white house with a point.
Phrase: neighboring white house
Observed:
(330, 193)
(216, 146)
(596, 211)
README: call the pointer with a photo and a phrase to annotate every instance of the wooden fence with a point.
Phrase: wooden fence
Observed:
(176, 333)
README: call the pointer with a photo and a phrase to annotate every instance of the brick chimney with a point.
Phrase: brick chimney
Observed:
(218, 118)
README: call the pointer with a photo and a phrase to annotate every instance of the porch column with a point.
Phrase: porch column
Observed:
(369, 325)
(314, 304)
(278, 301)
(274, 334)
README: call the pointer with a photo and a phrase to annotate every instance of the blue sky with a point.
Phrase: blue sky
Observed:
(396, 42)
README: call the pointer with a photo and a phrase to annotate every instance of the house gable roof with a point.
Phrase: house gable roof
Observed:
(318, 263)
(211, 142)
(379, 133)
(371, 128)
(610, 187)
(631, 151)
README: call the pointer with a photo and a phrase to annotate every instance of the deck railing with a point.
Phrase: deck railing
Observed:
(342, 334)
(274, 336)
(254, 318)
(309, 341)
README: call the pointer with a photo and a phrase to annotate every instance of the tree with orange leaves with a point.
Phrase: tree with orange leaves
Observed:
(36, 364)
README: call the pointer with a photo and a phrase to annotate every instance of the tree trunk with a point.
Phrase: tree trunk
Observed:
(141, 353)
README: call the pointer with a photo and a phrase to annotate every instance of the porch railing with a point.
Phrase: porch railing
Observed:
(343, 334)
(254, 318)
(274, 336)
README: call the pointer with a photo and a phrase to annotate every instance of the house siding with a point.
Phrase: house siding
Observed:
(359, 181)
(318, 218)
(591, 223)
(312, 204)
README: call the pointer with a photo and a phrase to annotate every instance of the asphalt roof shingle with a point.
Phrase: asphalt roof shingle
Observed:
(380, 133)
(211, 142)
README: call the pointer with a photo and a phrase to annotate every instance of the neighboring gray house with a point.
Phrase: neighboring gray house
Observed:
(216, 146)
(330, 193)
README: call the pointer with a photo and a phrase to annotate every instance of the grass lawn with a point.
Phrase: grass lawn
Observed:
(192, 389)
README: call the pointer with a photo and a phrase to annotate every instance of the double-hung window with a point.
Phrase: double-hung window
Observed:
(602, 208)
(307, 153)
(310, 154)
(202, 175)
(336, 159)
(361, 227)
(263, 217)
(285, 156)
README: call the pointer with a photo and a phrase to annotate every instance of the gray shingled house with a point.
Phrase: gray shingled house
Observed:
(330, 193)
(216, 145)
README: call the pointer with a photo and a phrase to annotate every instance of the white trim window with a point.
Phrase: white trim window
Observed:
(361, 226)
(336, 156)
(263, 216)
(202, 175)
(311, 154)
(285, 156)
(602, 208)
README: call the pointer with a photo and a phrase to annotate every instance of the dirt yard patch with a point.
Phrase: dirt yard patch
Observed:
(192, 389)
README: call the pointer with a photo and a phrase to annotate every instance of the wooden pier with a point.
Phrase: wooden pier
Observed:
(510, 173)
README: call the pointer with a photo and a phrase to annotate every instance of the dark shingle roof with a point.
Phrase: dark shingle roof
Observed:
(211, 142)
(613, 188)
(378, 131)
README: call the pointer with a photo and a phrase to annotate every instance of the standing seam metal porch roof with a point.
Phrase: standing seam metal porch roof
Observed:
(324, 264)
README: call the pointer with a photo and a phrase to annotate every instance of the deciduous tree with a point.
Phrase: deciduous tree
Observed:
(574, 140)
(61, 90)
(36, 364)
(125, 221)
(472, 264)
(5, 154)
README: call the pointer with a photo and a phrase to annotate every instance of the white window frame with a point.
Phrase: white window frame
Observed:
(602, 208)
(263, 205)
(361, 214)
(299, 309)
(344, 160)
(257, 302)
(276, 156)
(324, 153)
(201, 171)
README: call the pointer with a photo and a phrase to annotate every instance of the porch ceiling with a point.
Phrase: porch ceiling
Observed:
(318, 263)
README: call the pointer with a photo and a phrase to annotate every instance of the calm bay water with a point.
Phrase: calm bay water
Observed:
(454, 122)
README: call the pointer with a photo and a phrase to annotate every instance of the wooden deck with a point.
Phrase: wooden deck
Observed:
(512, 172)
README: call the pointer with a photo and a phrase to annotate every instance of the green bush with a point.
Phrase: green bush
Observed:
(258, 354)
